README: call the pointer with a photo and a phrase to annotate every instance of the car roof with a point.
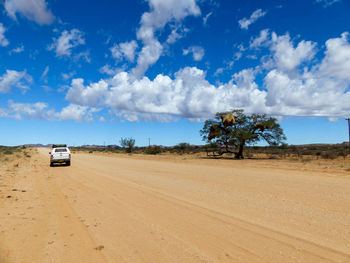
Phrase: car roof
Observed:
(59, 145)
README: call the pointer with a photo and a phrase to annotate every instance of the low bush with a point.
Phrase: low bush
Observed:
(153, 150)
(8, 152)
(328, 155)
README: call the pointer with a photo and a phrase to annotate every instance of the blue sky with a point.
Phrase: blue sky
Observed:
(90, 72)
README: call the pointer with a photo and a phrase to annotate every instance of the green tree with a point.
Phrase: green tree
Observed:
(128, 144)
(247, 130)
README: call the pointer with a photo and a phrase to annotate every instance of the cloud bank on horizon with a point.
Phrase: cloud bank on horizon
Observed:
(270, 72)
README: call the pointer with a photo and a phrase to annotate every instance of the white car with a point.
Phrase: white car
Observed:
(60, 155)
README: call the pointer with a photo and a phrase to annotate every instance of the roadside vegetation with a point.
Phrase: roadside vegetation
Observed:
(284, 151)
(233, 135)
(9, 153)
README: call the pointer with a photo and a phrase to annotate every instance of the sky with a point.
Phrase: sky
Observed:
(91, 72)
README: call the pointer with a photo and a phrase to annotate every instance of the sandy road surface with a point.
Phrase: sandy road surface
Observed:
(115, 209)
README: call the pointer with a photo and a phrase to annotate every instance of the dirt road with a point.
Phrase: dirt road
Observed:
(120, 209)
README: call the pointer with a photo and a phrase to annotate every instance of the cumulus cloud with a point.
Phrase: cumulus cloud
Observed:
(300, 87)
(3, 40)
(197, 52)
(91, 95)
(291, 86)
(283, 52)
(34, 10)
(12, 79)
(161, 13)
(188, 95)
(42, 111)
(286, 56)
(31, 111)
(66, 42)
(74, 112)
(336, 64)
(124, 50)
(318, 90)
(244, 23)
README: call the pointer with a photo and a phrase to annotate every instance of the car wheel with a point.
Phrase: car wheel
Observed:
(68, 163)
(51, 164)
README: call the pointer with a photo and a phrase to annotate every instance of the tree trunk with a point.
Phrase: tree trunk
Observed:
(239, 155)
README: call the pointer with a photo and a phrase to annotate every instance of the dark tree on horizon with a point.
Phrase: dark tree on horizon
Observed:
(247, 130)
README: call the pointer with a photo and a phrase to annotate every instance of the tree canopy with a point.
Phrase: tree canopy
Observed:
(246, 130)
(128, 144)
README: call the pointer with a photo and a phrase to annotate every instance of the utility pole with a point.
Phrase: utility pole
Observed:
(348, 119)
(149, 142)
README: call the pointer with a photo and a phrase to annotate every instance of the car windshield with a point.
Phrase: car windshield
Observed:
(60, 150)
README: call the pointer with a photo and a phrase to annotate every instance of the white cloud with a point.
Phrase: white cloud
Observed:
(67, 76)
(286, 56)
(188, 95)
(44, 74)
(91, 95)
(336, 64)
(41, 111)
(293, 85)
(148, 56)
(218, 71)
(13, 78)
(322, 90)
(244, 23)
(34, 10)
(306, 95)
(66, 42)
(46, 88)
(75, 112)
(260, 40)
(161, 13)
(27, 110)
(107, 69)
(205, 19)
(18, 49)
(197, 52)
(327, 3)
(3, 113)
(176, 34)
(85, 55)
(3, 40)
(124, 50)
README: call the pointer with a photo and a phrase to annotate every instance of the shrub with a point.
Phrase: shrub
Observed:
(153, 150)
(328, 155)
(182, 147)
(8, 152)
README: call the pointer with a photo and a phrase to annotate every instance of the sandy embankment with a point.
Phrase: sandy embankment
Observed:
(119, 209)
